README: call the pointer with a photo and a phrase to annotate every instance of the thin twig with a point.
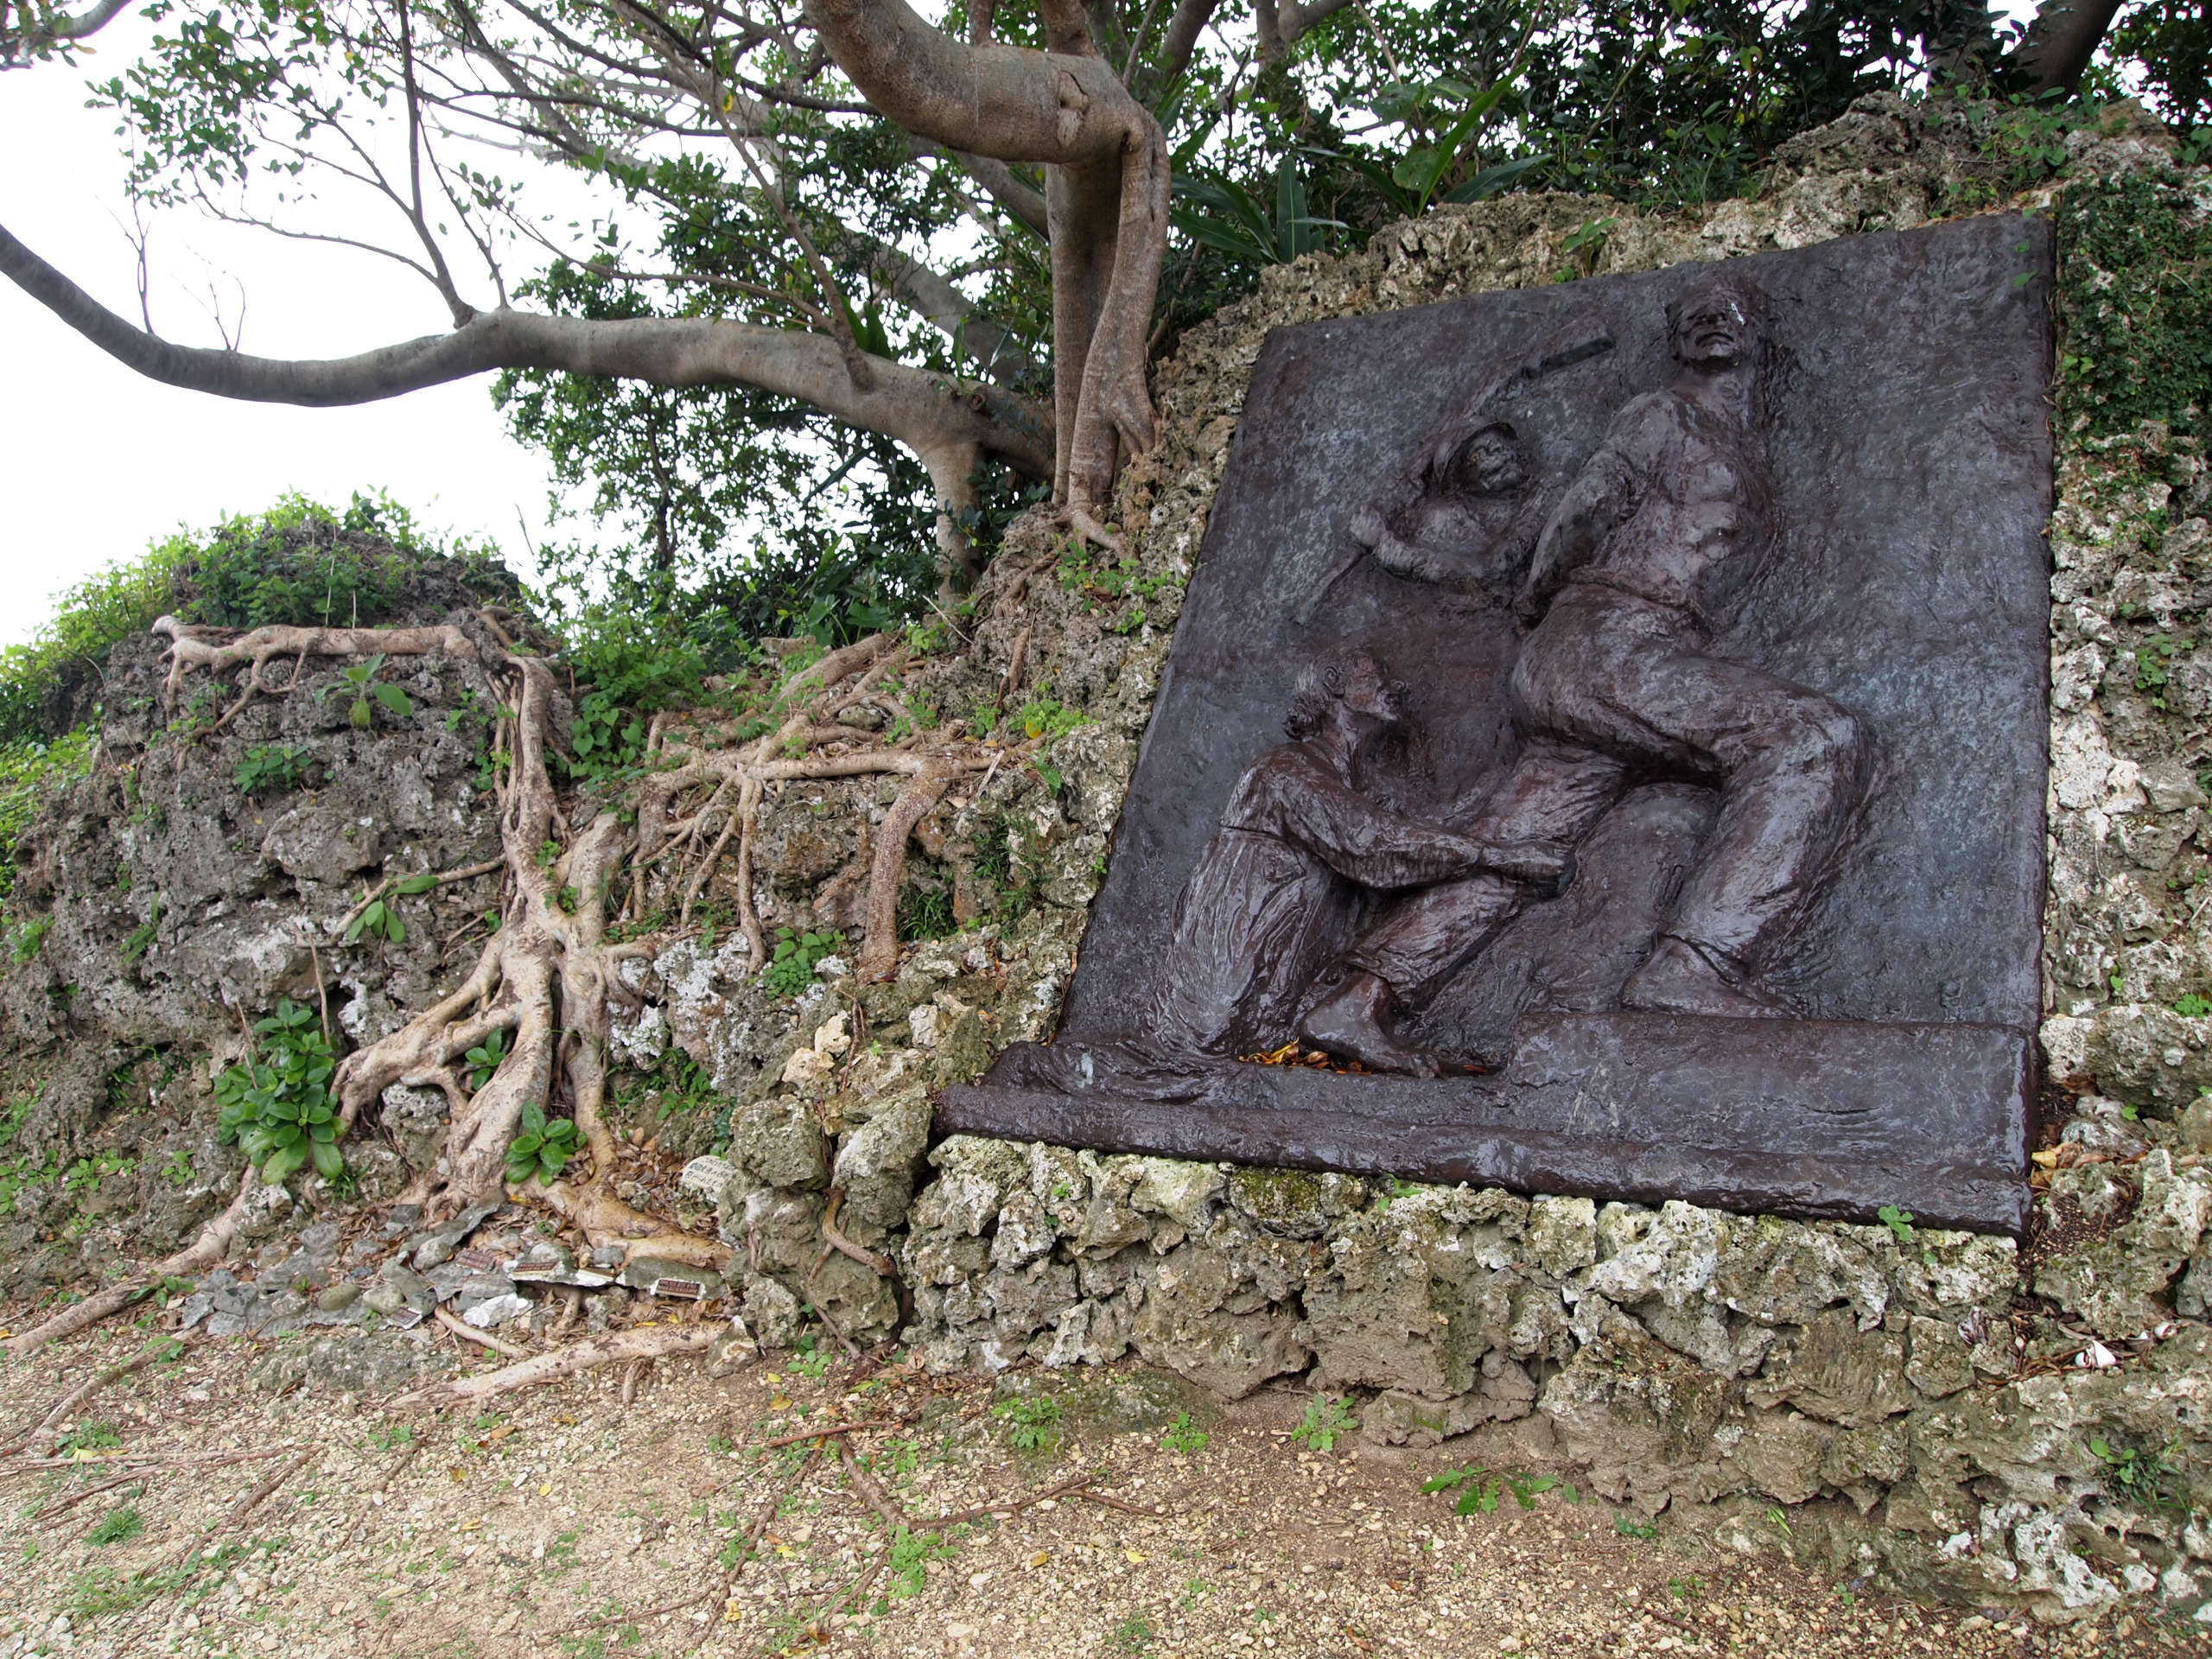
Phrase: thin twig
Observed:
(824, 1434)
(47, 1429)
(247, 1504)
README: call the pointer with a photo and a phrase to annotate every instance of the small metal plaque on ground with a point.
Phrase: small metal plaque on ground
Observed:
(1604, 752)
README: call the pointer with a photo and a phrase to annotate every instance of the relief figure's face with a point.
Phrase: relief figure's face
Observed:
(1712, 331)
(1489, 463)
(1368, 691)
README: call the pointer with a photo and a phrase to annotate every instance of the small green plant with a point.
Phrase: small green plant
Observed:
(1479, 1490)
(926, 913)
(358, 680)
(86, 1173)
(483, 1059)
(910, 1558)
(1584, 246)
(179, 1171)
(539, 1148)
(1131, 1635)
(117, 1526)
(810, 1361)
(276, 1106)
(2143, 1477)
(1397, 1188)
(1047, 717)
(390, 1437)
(1627, 1527)
(89, 1437)
(791, 964)
(379, 919)
(1899, 1221)
(1032, 1421)
(141, 937)
(25, 940)
(1184, 1436)
(2192, 1007)
(268, 769)
(1328, 1419)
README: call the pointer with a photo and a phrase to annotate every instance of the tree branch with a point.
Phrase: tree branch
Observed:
(938, 303)
(919, 409)
(38, 35)
(1022, 201)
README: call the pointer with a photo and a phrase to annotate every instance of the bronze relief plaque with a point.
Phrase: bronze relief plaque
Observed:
(1604, 752)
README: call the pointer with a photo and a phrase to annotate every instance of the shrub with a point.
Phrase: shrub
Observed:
(276, 1106)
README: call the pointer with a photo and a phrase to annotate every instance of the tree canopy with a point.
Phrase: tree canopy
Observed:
(807, 297)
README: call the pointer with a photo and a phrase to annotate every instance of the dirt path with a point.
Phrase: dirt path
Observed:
(564, 1523)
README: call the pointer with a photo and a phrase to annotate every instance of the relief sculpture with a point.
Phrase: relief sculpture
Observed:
(1636, 826)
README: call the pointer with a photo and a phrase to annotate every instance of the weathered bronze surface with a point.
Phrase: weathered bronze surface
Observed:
(1610, 721)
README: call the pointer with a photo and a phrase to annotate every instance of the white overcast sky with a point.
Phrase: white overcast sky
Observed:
(95, 462)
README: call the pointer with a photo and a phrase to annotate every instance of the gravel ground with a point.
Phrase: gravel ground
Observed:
(563, 1521)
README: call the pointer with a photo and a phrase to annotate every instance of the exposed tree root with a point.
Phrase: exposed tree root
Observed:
(39, 1440)
(547, 976)
(653, 1342)
(468, 1332)
(212, 1244)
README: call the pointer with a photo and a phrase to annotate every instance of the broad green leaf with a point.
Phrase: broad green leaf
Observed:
(328, 1160)
(395, 700)
(416, 884)
(283, 1163)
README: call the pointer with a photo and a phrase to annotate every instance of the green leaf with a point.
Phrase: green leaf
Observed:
(1491, 180)
(328, 1160)
(555, 1158)
(395, 700)
(360, 714)
(416, 884)
(283, 1163)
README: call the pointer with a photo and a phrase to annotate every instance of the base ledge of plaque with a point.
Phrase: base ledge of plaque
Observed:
(1820, 1120)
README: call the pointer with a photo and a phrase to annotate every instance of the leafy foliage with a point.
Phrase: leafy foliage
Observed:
(540, 1150)
(30, 770)
(1328, 1419)
(2143, 1477)
(117, 1526)
(1032, 1421)
(358, 682)
(1184, 1436)
(628, 665)
(1480, 1488)
(484, 1059)
(792, 963)
(268, 769)
(277, 1106)
(2137, 283)
(299, 563)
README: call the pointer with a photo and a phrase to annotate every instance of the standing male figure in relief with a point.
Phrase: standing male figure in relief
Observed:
(1615, 686)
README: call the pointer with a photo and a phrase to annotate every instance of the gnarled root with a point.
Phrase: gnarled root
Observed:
(656, 1342)
(211, 1245)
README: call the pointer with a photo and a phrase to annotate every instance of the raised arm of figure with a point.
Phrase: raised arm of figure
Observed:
(1603, 495)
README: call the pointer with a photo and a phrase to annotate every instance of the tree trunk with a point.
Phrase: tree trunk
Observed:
(2062, 40)
(1107, 178)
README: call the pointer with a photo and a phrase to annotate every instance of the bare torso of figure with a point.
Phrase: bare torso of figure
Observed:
(1694, 487)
